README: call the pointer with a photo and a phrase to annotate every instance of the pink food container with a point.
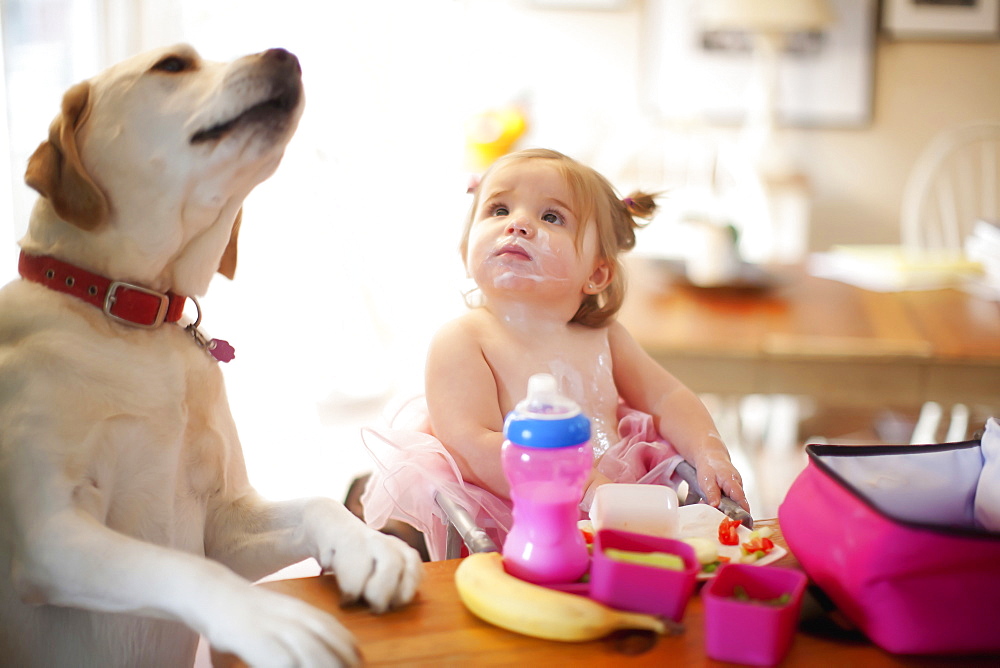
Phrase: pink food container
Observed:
(758, 631)
(640, 587)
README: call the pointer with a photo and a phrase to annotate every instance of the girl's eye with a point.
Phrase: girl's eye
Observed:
(500, 211)
(553, 218)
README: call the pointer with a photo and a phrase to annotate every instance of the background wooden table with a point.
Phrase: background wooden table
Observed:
(813, 336)
(437, 630)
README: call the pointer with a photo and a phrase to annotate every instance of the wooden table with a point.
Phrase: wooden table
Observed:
(437, 630)
(818, 337)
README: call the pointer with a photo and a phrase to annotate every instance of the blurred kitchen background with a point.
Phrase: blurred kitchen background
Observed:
(795, 133)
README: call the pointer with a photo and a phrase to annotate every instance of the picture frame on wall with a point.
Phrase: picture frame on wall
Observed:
(941, 19)
(824, 79)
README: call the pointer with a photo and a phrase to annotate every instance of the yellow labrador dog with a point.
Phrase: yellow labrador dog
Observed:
(120, 467)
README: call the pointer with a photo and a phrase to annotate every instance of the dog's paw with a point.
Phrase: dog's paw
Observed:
(381, 569)
(270, 629)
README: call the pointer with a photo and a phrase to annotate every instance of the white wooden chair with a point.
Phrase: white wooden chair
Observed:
(954, 182)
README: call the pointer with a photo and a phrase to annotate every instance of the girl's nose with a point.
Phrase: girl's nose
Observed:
(519, 227)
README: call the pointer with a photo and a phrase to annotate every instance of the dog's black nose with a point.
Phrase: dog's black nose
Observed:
(282, 56)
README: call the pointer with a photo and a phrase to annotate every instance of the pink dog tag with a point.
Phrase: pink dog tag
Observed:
(221, 350)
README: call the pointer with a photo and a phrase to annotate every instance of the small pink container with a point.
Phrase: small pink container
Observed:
(637, 587)
(752, 632)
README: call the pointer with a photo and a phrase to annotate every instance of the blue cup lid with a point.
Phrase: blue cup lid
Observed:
(545, 418)
(555, 432)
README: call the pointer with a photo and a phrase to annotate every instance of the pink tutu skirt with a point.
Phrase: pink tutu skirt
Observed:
(411, 465)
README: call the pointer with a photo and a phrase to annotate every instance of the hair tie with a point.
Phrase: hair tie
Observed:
(628, 202)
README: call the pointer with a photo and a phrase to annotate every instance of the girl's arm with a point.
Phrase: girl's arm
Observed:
(464, 410)
(680, 416)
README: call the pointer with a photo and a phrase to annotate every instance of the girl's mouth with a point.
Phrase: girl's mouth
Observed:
(512, 250)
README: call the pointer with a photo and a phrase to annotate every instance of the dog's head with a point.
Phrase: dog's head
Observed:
(148, 163)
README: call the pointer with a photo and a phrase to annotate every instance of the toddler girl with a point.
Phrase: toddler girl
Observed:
(542, 244)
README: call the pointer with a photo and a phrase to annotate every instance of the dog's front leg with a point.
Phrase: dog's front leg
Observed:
(255, 537)
(71, 560)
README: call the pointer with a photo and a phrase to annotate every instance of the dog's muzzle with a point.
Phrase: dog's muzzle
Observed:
(282, 72)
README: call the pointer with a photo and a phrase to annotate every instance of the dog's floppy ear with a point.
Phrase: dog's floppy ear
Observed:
(56, 171)
(227, 265)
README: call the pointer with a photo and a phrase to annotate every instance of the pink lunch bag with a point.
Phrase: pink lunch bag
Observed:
(895, 536)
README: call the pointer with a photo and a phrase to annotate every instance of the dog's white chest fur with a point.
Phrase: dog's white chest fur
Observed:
(157, 491)
(137, 436)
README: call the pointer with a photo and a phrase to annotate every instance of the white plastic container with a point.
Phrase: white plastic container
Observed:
(644, 509)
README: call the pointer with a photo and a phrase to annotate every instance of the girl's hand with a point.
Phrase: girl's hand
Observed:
(718, 476)
(595, 480)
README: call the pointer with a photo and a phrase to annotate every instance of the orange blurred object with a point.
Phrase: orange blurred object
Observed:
(493, 133)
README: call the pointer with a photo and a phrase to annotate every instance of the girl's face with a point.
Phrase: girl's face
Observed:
(524, 234)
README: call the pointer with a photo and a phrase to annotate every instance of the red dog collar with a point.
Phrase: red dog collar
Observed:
(124, 302)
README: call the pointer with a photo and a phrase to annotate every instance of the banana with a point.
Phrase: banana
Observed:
(499, 598)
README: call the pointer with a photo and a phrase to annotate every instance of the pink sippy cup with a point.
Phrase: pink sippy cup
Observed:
(546, 457)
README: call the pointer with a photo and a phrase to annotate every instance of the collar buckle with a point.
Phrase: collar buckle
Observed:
(111, 298)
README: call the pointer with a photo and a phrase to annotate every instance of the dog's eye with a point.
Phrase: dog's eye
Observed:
(172, 64)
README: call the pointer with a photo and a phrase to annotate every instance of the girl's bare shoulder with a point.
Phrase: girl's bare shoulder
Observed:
(468, 328)
(603, 333)
(617, 334)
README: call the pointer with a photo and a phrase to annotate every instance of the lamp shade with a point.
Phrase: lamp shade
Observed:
(767, 15)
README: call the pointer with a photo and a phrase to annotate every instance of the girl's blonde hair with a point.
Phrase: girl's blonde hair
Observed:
(594, 198)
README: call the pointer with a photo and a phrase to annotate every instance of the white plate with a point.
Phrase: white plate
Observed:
(700, 520)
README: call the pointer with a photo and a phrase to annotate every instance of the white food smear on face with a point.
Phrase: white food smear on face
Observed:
(536, 269)
(509, 278)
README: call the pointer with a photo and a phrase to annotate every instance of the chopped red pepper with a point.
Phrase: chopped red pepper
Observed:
(727, 531)
(758, 544)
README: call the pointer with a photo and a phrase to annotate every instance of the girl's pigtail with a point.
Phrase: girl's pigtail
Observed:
(640, 204)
